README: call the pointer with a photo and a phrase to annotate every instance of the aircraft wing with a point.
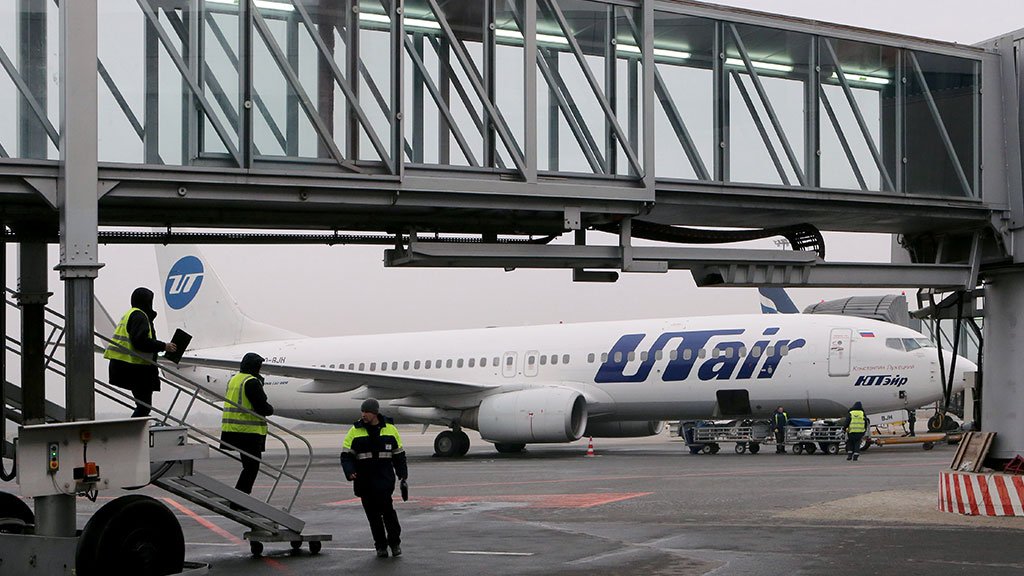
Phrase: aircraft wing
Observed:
(332, 380)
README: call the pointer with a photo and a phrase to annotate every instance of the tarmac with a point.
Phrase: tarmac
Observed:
(640, 506)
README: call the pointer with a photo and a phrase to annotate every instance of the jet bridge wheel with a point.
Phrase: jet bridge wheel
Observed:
(132, 534)
(15, 515)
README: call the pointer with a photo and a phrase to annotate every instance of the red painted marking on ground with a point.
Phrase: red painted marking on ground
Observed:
(204, 522)
(531, 500)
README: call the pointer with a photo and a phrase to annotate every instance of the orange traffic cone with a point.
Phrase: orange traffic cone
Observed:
(590, 448)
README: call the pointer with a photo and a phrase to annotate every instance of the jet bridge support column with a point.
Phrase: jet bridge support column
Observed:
(1003, 396)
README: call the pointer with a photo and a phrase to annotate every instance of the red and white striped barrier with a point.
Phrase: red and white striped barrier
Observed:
(975, 494)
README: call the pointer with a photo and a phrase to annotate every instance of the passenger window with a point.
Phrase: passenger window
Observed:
(565, 358)
(554, 359)
(894, 343)
(495, 362)
(659, 355)
(373, 366)
(394, 366)
(472, 362)
(769, 351)
(448, 364)
(362, 366)
(674, 354)
(428, 365)
(742, 351)
(417, 365)
(590, 358)
(755, 351)
(483, 362)
(632, 356)
(531, 360)
(618, 357)
(643, 356)
(702, 353)
(728, 352)
(784, 350)
(509, 361)
(332, 365)
(351, 366)
(604, 357)
(459, 363)
(543, 360)
(405, 365)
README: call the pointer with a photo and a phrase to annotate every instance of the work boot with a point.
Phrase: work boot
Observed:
(849, 456)
(382, 552)
(396, 550)
(855, 457)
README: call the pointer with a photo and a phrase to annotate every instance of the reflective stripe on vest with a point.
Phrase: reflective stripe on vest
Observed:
(389, 430)
(121, 348)
(236, 419)
(857, 421)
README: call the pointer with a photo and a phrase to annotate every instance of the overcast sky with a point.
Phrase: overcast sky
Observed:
(345, 290)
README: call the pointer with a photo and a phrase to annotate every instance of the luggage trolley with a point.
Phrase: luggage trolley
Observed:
(706, 437)
(808, 439)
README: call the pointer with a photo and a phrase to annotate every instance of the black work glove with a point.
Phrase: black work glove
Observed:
(404, 485)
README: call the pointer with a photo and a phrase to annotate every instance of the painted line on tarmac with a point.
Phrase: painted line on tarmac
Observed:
(204, 522)
(584, 500)
(489, 553)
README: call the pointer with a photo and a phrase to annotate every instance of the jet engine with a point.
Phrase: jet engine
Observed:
(529, 416)
(624, 429)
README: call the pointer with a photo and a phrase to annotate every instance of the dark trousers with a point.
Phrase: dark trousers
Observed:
(250, 468)
(853, 442)
(380, 511)
(142, 395)
(780, 439)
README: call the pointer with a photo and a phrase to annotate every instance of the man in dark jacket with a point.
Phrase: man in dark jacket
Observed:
(244, 423)
(856, 424)
(779, 421)
(371, 456)
(132, 353)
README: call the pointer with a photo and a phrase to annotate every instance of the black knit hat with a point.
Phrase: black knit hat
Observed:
(370, 405)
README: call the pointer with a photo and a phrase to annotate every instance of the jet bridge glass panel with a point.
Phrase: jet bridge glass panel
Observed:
(348, 86)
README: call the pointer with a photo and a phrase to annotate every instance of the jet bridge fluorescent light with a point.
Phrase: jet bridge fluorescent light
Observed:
(861, 78)
(407, 22)
(661, 52)
(282, 6)
(549, 39)
(760, 65)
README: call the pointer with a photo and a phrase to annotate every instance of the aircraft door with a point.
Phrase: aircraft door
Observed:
(508, 364)
(839, 352)
(530, 365)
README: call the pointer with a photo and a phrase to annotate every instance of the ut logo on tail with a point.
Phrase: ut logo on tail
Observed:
(183, 282)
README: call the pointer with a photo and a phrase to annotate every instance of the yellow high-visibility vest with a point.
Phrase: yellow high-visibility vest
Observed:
(857, 421)
(121, 348)
(236, 419)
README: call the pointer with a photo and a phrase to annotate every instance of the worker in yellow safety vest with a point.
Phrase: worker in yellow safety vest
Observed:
(244, 424)
(132, 352)
(856, 426)
(779, 421)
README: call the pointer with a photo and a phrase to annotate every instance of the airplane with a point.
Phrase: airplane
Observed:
(557, 383)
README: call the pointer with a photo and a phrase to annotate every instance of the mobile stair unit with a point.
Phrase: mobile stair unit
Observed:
(175, 449)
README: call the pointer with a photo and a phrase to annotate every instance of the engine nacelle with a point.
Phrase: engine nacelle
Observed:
(624, 429)
(530, 416)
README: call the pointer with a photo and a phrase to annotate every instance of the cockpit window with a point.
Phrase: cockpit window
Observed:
(925, 343)
(911, 344)
(894, 343)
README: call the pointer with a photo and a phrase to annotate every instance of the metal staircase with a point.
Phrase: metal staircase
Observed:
(175, 446)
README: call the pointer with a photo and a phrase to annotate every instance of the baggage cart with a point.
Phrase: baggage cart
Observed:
(707, 437)
(808, 440)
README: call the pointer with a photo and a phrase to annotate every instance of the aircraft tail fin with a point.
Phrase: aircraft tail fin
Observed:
(776, 301)
(198, 302)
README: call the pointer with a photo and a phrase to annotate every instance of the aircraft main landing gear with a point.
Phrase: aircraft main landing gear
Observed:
(451, 443)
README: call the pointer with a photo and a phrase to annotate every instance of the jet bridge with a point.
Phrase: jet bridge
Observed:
(509, 120)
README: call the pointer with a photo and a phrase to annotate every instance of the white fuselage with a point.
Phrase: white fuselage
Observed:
(682, 368)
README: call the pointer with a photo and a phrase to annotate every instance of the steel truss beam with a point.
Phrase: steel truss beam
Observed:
(709, 266)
